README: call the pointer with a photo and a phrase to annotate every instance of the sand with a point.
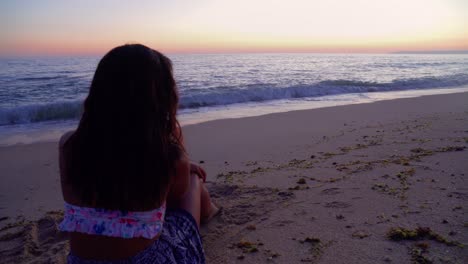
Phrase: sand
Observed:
(315, 186)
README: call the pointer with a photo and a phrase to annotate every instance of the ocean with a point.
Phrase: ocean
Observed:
(41, 97)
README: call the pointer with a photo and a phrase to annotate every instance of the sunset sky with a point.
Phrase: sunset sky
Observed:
(185, 26)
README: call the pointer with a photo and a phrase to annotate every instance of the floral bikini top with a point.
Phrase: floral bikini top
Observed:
(113, 223)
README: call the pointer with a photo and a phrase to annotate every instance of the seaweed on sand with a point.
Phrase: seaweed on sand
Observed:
(420, 233)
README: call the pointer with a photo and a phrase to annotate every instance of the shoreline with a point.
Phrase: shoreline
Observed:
(319, 185)
(29, 133)
(278, 106)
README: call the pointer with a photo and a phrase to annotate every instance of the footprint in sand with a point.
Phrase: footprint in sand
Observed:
(331, 191)
(282, 223)
(243, 204)
(337, 204)
(458, 195)
(25, 241)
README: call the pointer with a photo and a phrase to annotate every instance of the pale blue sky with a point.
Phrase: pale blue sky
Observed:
(48, 26)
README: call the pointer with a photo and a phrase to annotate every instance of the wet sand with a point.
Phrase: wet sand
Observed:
(327, 185)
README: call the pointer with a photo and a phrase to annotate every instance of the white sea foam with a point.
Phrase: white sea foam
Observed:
(261, 93)
(40, 113)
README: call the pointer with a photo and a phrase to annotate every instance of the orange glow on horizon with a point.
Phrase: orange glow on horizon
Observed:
(220, 46)
(321, 26)
(223, 46)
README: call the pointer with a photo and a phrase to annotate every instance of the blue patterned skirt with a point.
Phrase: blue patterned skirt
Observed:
(179, 242)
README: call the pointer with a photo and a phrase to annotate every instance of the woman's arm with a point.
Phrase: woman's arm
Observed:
(180, 182)
(66, 187)
(62, 141)
(198, 170)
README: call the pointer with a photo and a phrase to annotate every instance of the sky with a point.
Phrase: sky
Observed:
(42, 27)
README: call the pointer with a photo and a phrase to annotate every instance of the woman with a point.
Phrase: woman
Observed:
(131, 195)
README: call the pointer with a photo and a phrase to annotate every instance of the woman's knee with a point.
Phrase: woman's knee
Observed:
(196, 183)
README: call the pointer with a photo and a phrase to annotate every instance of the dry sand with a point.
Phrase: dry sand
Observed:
(320, 186)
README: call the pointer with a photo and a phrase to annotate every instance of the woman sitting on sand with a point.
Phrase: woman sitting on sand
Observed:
(130, 192)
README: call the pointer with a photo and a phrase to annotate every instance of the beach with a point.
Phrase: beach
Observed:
(381, 182)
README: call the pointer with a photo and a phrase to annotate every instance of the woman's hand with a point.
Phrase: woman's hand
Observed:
(194, 168)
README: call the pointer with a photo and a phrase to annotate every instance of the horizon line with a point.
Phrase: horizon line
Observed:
(448, 52)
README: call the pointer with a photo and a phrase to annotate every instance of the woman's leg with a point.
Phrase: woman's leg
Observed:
(197, 201)
(208, 209)
(191, 201)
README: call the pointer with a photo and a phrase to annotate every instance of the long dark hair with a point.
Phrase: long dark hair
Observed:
(128, 141)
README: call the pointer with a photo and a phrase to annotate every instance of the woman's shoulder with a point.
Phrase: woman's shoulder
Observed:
(65, 137)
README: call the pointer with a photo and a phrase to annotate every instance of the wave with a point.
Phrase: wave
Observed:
(233, 95)
(258, 93)
(45, 78)
(40, 113)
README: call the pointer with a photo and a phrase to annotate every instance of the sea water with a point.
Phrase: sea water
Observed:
(41, 97)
